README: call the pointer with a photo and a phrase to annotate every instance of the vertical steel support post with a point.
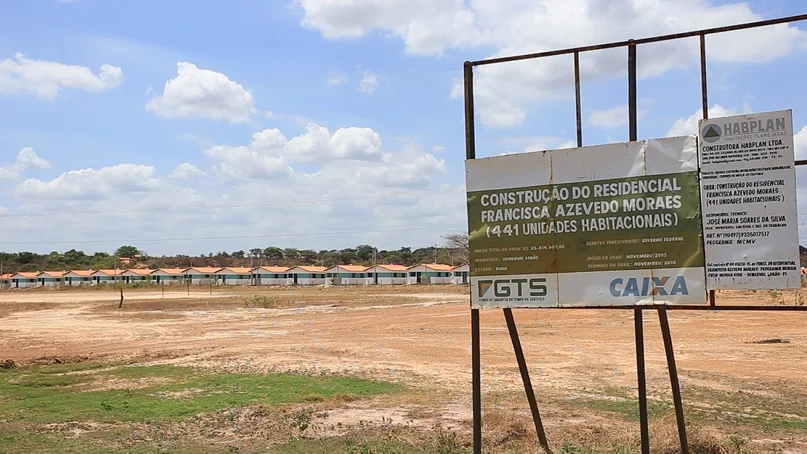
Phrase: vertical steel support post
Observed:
(676, 388)
(705, 110)
(637, 313)
(577, 101)
(476, 366)
(525, 378)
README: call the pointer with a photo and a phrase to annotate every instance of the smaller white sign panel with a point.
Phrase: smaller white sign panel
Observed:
(748, 190)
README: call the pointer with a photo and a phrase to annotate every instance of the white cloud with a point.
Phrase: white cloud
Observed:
(187, 171)
(27, 159)
(337, 78)
(504, 92)
(91, 183)
(369, 83)
(800, 142)
(689, 125)
(46, 79)
(196, 92)
(317, 145)
(261, 192)
(609, 118)
(438, 148)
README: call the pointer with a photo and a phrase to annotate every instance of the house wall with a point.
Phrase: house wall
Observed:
(24, 283)
(50, 281)
(235, 279)
(271, 279)
(203, 279)
(307, 278)
(345, 278)
(168, 279)
(461, 277)
(78, 280)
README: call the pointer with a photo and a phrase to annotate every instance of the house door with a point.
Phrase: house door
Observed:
(419, 278)
(464, 278)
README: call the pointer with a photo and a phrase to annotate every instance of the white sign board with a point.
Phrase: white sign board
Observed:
(748, 186)
(609, 225)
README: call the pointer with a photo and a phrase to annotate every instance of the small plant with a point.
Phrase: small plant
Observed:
(738, 442)
(260, 301)
(569, 448)
(776, 297)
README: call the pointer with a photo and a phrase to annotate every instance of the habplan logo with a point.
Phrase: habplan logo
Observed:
(711, 133)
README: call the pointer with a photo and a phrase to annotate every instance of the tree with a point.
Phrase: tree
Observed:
(456, 246)
(274, 253)
(291, 253)
(126, 251)
(364, 252)
(255, 252)
(239, 254)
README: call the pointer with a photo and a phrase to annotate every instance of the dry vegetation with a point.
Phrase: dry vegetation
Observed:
(741, 373)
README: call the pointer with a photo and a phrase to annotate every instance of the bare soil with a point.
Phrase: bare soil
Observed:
(421, 337)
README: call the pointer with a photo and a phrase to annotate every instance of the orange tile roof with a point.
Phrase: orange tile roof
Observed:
(28, 274)
(5, 276)
(54, 273)
(109, 272)
(274, 269)
(394, 267)
(172, 270)
(205, 269)
(81, 272)
(140, 271)
(312, 269)
(350, 268)
(437, 267)
(237, 269)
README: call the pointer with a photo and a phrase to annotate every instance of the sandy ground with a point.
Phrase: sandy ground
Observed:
(425, 338)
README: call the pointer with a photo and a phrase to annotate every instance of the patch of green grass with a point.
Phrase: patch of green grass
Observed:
(628, 408)
(443, 443)
(31, 396)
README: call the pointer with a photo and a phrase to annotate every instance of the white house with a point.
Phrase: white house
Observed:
(107, 276)
(169, 275)
(347, 275)
(430, 273)
(51, 278)
(78, 277)
(24, 280)
(5, 281)
(306, 275)
(270, 275)
(202, 275)
(460, 274)
(133, 275)
(235, 276)
(387, 274)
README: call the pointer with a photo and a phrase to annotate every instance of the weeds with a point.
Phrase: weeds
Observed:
(261, 301)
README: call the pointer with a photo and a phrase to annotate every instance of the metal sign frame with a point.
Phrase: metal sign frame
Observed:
(470, 151)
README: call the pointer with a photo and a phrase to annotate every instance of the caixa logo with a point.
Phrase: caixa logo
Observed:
(649, 286)
(506, 288)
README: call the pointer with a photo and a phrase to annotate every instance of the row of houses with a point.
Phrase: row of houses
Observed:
(262, 275)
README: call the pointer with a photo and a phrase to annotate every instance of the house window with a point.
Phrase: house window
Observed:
(412, 274)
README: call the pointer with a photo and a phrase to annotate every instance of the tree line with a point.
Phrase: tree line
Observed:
(454, 251)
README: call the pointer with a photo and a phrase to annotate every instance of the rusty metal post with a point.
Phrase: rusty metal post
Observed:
(705, 114)
(676, 388)
(525, 378)
(577, 100)
(476, 364)
(637, 313)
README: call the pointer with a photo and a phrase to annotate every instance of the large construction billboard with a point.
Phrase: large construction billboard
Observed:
(616, 224)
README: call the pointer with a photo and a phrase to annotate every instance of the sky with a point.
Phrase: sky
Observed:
(188, 127)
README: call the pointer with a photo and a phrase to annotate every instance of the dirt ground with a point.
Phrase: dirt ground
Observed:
(422, 337)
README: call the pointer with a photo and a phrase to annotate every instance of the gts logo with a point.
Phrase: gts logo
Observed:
(505, 288)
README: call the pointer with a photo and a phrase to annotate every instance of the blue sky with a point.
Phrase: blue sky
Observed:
(205, 129)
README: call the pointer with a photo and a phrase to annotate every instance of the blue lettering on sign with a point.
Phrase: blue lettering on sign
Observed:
(648, 286)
